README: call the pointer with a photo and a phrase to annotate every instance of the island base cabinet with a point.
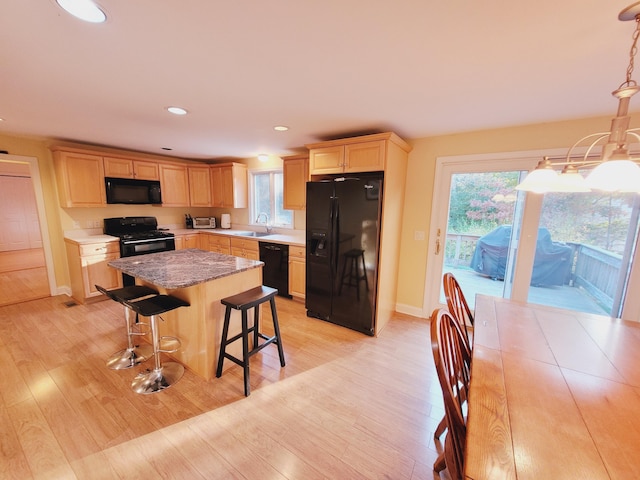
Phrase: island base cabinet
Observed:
(199, 326)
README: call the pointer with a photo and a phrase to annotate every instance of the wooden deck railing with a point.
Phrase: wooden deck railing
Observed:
(597, 271)
(459, 249)
(594, 269)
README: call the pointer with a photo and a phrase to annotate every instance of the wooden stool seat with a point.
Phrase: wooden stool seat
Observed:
(163, 375)
(133, 354)
(244, 301)
(132, 292)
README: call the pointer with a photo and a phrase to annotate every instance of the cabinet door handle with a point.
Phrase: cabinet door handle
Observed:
(438, 242)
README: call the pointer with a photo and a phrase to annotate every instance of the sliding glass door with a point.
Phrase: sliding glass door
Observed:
(586, 267)
(573, 250)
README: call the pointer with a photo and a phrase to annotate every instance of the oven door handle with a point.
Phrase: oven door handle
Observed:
(146, 240)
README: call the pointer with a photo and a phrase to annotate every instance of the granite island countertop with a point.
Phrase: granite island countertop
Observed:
(183, 268)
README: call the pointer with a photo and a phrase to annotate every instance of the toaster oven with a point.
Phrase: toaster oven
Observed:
(204, 222)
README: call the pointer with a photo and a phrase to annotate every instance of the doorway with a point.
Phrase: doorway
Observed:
(25, 257)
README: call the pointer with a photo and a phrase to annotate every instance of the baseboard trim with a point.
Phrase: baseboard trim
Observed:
(410, 310)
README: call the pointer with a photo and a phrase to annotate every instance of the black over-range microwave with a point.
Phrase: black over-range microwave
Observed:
(132, 191)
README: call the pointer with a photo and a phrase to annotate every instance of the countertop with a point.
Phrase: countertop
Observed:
(296, 238)
(82, 237)
(183, 268)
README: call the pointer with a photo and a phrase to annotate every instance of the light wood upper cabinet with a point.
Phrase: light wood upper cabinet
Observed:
(174, 182)
(295, 171)
(326, 160)
(121, 167)
(80, 174)
(80, 179)
(369, 153)
(364, 157)
(229, 185)
(355, 157)
(200, 186)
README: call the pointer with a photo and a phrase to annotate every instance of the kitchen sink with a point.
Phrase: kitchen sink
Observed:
(251, 234)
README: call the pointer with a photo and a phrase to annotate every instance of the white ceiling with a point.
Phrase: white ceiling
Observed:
(324, 68)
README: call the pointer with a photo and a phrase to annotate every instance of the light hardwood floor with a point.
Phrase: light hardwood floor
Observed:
(23, 276)
(346, 406)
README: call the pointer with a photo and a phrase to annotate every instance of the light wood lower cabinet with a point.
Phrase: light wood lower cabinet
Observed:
(215, 243)
(187, 241)
(297, 271)
(88, 266)
(241, 247)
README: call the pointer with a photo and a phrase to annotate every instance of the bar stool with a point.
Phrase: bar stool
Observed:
(244, 301)
(133, 354)
(163, 375)
(352, 277)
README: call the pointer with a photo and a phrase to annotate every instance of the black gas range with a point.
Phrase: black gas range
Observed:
(138, 236)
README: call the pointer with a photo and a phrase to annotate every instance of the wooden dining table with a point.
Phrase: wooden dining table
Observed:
(554, 394)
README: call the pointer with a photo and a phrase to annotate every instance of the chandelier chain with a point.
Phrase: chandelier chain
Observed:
(632, 53)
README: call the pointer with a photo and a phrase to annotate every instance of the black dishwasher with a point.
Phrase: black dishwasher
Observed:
(275, 273)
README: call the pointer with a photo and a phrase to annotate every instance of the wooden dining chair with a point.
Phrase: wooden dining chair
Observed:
(457, 303)
(459, 309)
(453, 364)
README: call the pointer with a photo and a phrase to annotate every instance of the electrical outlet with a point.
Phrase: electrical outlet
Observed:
(76, 224)
(418, 235)
(96, 224)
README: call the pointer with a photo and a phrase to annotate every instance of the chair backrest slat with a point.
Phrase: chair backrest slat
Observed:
(453, 362)
(457, 304)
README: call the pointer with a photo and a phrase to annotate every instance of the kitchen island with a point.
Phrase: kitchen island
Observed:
(201, 278)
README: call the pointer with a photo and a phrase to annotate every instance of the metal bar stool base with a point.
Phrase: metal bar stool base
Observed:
(152, 381)
(130, 357)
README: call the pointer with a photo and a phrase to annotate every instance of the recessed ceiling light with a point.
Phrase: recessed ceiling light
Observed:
(281, 128)
(263, 157)
(177, 110)
(84, 10)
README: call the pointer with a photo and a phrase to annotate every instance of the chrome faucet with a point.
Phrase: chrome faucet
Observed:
(268, 227)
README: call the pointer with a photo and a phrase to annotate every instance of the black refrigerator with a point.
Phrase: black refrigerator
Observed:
(342, 240)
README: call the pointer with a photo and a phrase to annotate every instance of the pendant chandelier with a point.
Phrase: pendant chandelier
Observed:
(615, 168)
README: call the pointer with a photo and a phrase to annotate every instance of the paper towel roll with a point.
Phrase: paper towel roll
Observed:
(225, 220)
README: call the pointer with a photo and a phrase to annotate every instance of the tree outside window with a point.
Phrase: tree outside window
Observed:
(267, 197)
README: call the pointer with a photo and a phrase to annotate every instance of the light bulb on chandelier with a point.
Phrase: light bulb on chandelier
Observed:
(615, 168)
